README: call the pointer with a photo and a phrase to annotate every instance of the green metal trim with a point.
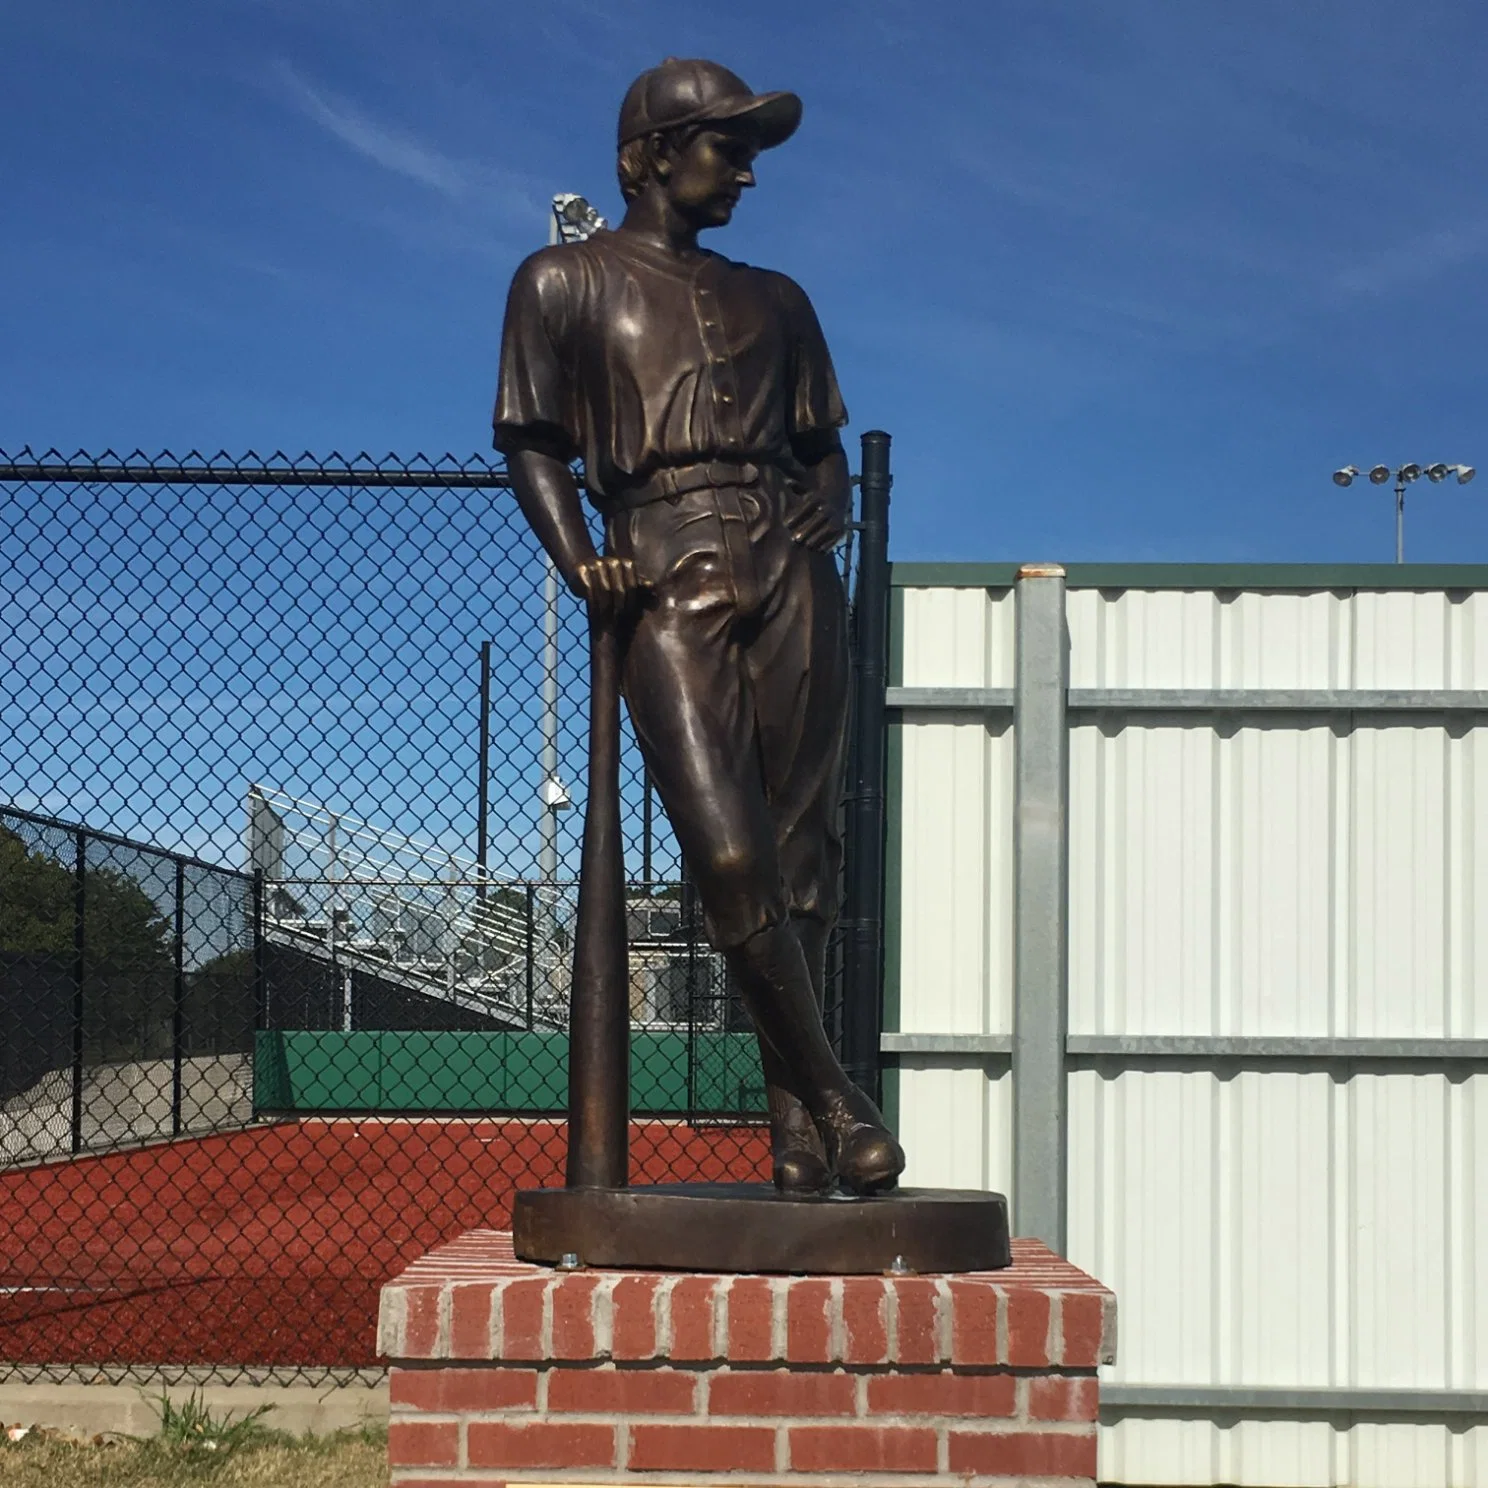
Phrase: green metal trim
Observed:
(893, 857)
(1239, 576)
(306, 1071)
(953, 575)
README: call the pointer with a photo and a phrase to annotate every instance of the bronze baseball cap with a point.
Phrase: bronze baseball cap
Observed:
(691, 91)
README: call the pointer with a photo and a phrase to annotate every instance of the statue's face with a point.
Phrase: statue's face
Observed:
(707, 178)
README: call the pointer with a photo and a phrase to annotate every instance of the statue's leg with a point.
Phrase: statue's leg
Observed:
(800, 1156)
(798, 670)
(692, 697)
(771, 971)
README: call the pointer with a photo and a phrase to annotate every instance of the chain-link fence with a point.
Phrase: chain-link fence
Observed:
(129, 980)
(289, 758)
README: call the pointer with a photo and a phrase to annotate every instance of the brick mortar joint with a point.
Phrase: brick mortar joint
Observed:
(721, 1296)
(524, 1416)
(661, 1318)
(445, 1315)
(602, 1315)
(800, 1478)
(750, 1367)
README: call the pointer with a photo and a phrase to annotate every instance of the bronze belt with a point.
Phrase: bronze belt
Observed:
(677, 480)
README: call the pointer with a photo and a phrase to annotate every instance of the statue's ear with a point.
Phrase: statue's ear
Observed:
(662, 151)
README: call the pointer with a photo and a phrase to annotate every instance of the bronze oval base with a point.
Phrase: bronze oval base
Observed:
(740, 1228)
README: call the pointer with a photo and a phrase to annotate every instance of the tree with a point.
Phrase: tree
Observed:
(128, 951)
(124, 929)
(218, 1013)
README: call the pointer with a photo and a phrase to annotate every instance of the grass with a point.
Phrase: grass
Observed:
(195, 1449)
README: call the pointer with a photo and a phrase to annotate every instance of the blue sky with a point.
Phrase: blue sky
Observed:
(1124, 282)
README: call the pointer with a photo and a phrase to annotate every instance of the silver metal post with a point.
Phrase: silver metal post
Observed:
(1399, 520)
(549, 862)
(1041, 905)
(334, 905)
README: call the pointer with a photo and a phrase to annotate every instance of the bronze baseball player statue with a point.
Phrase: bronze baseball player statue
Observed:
(700, 396)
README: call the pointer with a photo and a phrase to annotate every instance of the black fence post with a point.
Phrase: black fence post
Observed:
(862, 920)
(689, 914)
(483, 774)
(646, 828)
(256, 930)
(178, 1000)
(531, 929)
(79, 971)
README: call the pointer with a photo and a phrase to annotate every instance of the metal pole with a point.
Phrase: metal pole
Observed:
(483, 787)
(549, 863)
(1041, 905)
(688, 912)
(646, 828)
(531, 928)
(260, 980)
(178, 1002)
(862, 924)
(79, 911)
(331, 875)
(1399, 520)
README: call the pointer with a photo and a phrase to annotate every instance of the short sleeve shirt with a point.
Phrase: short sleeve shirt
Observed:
(618, 352)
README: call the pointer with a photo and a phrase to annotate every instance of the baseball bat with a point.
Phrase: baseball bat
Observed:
(599, 1004)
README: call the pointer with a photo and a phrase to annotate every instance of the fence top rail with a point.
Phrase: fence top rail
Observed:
(113, 839)
(251, 469)
(1282, 577)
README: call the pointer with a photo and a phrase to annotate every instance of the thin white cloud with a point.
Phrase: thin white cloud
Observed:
(1422, 257)
(390, 148)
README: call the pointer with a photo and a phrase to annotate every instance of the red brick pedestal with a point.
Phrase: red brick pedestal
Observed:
(504, 1372)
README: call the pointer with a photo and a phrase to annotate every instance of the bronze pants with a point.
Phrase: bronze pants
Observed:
(736, 681)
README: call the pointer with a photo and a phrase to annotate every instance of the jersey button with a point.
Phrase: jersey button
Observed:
(725, 397)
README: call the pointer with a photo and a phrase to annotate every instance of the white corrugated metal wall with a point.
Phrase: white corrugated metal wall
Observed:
(1276, 1218)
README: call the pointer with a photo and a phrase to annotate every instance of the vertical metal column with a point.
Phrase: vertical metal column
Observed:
(1041, 905)
(646, 828)
(483, 772)
(178, 1000)
(548, 862)
(260, 977)
(862, 919)
(530, 929)
(79, 971)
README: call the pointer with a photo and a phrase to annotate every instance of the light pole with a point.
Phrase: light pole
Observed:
(571, 220)
(551, 792)
(1405, 475)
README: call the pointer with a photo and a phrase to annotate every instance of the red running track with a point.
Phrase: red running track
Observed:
(269, 1246)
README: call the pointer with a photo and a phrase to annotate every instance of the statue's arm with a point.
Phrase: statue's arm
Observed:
(548, 494)
(535, 428)
(816, 415)
(820, 518)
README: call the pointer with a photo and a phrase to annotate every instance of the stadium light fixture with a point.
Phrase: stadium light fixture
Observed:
(573, 219)
(1404, 476)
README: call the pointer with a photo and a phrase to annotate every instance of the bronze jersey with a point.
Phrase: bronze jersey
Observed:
(621, 353)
